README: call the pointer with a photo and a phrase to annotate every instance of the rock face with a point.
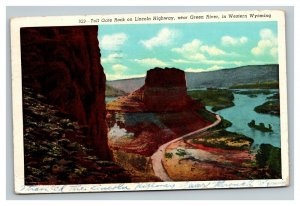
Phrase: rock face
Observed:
(62, 63)
(165, 90)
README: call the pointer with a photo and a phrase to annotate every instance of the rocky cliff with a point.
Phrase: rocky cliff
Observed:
(164, 91)
(62, 63)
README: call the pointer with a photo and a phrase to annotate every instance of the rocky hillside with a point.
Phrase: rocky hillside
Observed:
(127, 85)
(229, 77)
(62, 63)
(56, 150)
(112, 92)
(221, 78)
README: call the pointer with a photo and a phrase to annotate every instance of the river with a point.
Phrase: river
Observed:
(243, 112)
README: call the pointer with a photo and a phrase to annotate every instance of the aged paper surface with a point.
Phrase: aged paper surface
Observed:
(149, 102)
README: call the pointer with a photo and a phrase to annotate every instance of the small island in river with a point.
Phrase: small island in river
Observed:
(261, 126)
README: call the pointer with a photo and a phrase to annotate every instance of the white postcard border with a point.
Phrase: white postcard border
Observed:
(17, 23)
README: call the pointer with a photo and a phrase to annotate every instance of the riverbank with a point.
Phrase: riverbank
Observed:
(218, 99)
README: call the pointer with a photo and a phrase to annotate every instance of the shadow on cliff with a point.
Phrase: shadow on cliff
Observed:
(62, 63)
(65, 131)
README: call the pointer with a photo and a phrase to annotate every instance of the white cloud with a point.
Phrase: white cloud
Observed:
(267, 45)
(111, 58)
(164, 37)
(197, 57)
(274, 52)
(153, 62)
(197, 49)
(232, 41)
(212, 68)
(119, 68)
(190, 47)
(119, 73)
(196, 52)
(213, 51)
(113, 41)
(116, 76)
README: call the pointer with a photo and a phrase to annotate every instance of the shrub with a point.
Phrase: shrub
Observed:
(168, 155)
(269, 158)
(181, 152)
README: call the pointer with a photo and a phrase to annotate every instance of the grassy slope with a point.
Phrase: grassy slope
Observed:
(224, 139)
(217, 98)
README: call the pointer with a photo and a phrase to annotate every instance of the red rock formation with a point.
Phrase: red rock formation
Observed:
(168, 77)
(165, 90)
(154, 114)
(63, 64)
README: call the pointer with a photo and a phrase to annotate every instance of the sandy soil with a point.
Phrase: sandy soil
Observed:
(190, 162)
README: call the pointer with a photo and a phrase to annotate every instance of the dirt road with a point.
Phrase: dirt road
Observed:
(157, 157)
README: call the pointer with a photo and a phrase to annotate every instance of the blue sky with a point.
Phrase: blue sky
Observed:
(130, 50)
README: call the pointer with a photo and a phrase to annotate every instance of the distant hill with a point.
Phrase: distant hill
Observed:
(127, 85)
(221, 78)
(113, 92)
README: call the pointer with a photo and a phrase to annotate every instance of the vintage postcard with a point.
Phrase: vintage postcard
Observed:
(149, 102)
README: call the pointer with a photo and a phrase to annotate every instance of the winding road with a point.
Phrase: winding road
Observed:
(156, 158)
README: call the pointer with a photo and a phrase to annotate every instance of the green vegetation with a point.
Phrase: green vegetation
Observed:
(274, 97)
(258, 85)
(223, 124)
(268, 157)
(260, 126)
(270, 107)
(212, 118)
(168, 155)
(217, 98)
(181, 152)
(224, 139)
(113, 92)
(207, 115)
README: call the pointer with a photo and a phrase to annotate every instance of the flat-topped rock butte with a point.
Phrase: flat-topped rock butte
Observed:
(164, 90)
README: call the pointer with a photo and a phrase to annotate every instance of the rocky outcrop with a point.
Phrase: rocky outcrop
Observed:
(62, 63)
(154, 114)
(164, 91)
